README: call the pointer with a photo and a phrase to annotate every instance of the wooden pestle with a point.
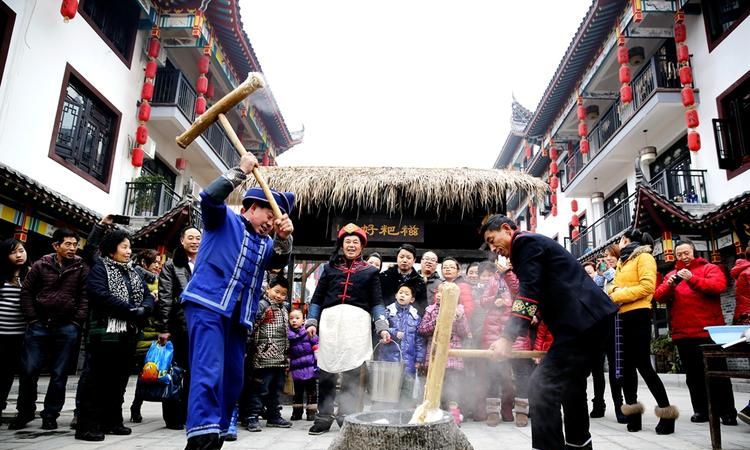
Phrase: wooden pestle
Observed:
(429, 410)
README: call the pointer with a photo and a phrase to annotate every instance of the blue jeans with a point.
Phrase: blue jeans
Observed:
(56, 344)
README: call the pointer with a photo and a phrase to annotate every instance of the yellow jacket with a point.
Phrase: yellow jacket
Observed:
(635, 281)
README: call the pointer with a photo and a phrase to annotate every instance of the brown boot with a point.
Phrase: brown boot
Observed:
(522, 412)
(506, 409)
(312, 410)
(493, 412)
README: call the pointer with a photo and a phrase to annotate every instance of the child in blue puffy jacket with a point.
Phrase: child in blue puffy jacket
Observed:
(403, 320)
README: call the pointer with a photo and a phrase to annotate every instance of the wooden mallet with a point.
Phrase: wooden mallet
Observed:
(216, 112)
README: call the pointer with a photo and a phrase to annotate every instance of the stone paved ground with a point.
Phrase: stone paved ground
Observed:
(607, 433)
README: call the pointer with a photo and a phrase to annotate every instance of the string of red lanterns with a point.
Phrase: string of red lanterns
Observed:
(626, 91)
(583, 129)
(147, 94)
(686, 80)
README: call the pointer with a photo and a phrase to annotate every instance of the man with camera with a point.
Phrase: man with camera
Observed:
(693, 290)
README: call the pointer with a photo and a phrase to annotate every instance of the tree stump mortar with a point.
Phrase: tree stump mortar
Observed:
(361, 432)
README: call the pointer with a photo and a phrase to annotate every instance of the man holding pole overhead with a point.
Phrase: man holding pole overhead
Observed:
(222, 297)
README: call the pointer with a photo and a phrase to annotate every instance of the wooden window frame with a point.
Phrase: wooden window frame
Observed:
(52, 154)
(710, 40)
(126, 59)
(5, 36)
(731, 173)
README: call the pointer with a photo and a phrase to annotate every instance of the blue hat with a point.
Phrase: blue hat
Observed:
(285, 200)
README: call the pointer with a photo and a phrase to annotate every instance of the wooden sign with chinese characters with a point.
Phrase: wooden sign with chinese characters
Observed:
(383, 229)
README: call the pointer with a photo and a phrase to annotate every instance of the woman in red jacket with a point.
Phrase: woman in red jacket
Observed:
(741, 274)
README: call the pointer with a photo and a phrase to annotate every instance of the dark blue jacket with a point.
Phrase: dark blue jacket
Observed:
(554, 282)
(406, 319)
(232, 260)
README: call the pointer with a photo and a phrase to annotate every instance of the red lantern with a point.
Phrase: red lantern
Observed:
(625, 74)
(553, 167)
(686, 75)
(554, 183)
(154, 47)
(200, 105)
(680, 33)
(694, 141)
(203, 62)
(181, 164)
(691, 118)
(575, 234)
(136, 158)
(688, 97)
(581, 111)
(622, 55)
(626, 93)
(210, 90)
(584, 146)
(141, 135)
(144, 112)
(147, 92)
(575, 221)
(583, 129)
(150, 71)
(554, 211)
(683, 54)
(553, 198)
(202, 84)
(553, 153)
(68, 9)
(574, 205)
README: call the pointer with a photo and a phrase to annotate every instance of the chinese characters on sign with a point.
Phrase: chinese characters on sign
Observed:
(387, 230)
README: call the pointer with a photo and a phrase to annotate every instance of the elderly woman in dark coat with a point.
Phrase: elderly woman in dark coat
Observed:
(120, 302)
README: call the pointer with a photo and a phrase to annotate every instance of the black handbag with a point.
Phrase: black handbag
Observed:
(160, 392)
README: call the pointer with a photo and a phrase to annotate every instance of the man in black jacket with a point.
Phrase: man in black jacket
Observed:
(404, 273)
(576, 312)
(170, 319)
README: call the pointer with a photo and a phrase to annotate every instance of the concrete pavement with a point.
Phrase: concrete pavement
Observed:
(607, 433)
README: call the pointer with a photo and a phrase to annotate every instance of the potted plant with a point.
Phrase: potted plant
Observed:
(665, 354)
(145, 195)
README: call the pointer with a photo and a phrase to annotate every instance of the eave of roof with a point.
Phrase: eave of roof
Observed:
(593, 31)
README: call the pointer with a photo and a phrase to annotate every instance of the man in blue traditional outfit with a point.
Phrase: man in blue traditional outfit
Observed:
(221, 299)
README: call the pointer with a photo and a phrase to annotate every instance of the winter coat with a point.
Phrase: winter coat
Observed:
(270, 340)
(460, 330)
(635, 281)
(174, 277)
(54, 294)
(391, 279)
(302, 360)
(406, 320)
(104, 305)
(505, 287)
(355, 283)
(694, 303)
(465, 297)
(431, 286)
(552, 282)
(741, 273)
(233, 258)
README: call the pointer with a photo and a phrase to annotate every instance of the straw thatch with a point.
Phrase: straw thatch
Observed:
(395, 190)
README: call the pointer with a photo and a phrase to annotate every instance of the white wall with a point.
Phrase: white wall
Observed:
(42, 43)
(714, 73)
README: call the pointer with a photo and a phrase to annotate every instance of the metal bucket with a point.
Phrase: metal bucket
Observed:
(385, 378)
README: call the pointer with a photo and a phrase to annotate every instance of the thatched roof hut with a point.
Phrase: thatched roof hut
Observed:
(397, 191)
(437, 209)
